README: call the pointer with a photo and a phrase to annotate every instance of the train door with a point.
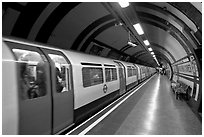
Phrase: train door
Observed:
(34, 94)
(136, 73)
(139, 74)
(142, 73)
(62, 90)
(121, 71)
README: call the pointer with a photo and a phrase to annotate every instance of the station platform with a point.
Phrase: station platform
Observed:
(149, 109)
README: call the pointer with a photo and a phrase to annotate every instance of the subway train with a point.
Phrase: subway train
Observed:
(47, 90)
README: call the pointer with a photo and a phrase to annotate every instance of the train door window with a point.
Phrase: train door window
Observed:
(134, 71)
(61, 73)
(129, 69)
(92, 76)
(32, 67)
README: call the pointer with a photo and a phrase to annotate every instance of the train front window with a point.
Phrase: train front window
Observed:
(32, 76)
(62, 76)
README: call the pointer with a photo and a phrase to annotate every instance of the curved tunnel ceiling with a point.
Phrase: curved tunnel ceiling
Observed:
(174, 29)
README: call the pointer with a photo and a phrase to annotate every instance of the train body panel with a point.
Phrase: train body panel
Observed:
(31, 108)
(10, 105)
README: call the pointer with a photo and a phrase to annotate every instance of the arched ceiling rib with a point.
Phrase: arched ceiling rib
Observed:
(96, 33)
(164, 51)
(166, 26)
(170, 18)
(13, 5)
(41, 20)
(173, 29)
(53, 20)
(190, 11)
(26, 21)
(90, 28)
(161, 56)
(163, 38)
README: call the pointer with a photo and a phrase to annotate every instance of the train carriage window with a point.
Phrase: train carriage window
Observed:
(32, 76)
(62, 76)
(110, 74)
(92, 76)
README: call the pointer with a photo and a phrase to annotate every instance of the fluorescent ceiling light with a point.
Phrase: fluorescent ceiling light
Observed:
(150, 49)
(124, 4)
(154, 56)
(146, 42)
(138, 29)
(152, 53)
(132, 44)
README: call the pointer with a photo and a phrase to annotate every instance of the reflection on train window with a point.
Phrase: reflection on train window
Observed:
(32, 68)
(62, 76)
(92, 76)
(111, 74)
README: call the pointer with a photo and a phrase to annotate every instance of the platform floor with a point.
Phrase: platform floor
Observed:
(152, 110)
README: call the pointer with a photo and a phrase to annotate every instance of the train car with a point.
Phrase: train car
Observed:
(47, 90)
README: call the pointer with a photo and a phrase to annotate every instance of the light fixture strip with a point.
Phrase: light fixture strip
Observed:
(131, 44)
(150, 49)
(146, 42)
(124, 4)
(152, 53)
(139, 29)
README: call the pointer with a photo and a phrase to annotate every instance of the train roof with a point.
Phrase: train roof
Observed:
(78, 58)
(75, 57)
(125, 63)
